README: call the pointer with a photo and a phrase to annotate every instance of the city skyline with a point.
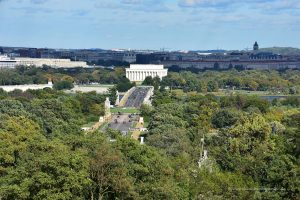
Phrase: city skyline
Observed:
(149, 24)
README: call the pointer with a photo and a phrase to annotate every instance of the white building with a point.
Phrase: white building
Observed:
(7, 62)
(138, 73)
(10, 88)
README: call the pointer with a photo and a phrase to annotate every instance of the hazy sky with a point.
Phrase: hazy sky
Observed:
(150, 24)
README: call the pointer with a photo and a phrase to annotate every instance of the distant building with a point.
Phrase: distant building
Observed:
(255, 46)
(7, 62)
(138, 73)
(10, 88)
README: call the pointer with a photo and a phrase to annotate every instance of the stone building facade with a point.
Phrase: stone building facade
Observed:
(138, 73)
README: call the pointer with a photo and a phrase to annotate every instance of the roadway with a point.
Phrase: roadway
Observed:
(122, 122)
(137, 97)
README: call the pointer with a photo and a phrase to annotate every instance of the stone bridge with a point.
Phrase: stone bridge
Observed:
(137, 96)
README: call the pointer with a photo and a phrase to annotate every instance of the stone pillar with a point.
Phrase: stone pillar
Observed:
(118, 98)
(142, 140)
(140, 76)
(107, 109)
(136, 75)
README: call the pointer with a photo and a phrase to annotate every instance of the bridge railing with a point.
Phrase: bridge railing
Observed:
(125, 97)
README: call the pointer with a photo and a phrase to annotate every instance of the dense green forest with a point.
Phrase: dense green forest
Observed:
(33, 75)
(285, 82)
(65, 78)
(275, 82)
(253, 149)
(253, 144)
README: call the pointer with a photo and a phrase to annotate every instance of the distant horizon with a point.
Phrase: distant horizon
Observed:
(129, 49)
(150, 24)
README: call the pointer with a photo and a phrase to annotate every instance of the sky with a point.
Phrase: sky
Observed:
(150, 24)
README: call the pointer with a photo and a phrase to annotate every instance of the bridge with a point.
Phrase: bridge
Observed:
(137, 96)
(134, 98)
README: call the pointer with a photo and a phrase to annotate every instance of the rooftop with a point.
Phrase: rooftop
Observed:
(146, 66)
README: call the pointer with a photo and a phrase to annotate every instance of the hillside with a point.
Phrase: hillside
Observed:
(282, 50)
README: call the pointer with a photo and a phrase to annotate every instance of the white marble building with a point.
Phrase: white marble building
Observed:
(7, 62)
(138, 72)
(10, 88)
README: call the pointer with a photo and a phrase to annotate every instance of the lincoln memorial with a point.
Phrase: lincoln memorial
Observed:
(140, 72)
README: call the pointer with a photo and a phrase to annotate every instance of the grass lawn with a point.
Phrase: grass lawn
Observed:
(235, 92)
(125, 110)
(223, 92)
(90, 124)
(96, 86)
